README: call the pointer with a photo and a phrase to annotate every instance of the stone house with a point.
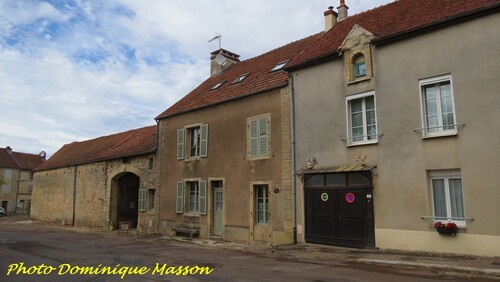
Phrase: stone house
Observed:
(395, 128)
(16, 170)
(101, 182)
(225, 152)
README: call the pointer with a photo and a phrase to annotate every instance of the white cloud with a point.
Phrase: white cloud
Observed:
(73, 70)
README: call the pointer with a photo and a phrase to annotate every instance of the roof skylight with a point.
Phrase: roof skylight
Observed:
(219, 84)
(279, 66)
(240, 78)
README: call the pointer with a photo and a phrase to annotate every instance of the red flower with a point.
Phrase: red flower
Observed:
(452, 226)
(438, 224)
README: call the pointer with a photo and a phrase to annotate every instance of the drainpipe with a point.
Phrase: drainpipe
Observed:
(157, 166)
(74, 195)
(17, 190)
(292, 132)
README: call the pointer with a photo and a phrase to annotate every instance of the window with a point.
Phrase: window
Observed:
(142, 199)
(151, 199)
(151, 163)
(447, 196)
(437, 105)
(258, 134)
(359, 66)
(196, 140)
(240, 78)
(362, 121)
(194, 196)
(279, 66)
(261, 204)
(219, 84)
(196, 193)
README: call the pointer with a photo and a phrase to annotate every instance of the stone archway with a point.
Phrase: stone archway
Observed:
(124, 197)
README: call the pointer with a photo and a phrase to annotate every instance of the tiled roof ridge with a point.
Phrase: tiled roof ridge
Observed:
(283, 46)
(112, 134)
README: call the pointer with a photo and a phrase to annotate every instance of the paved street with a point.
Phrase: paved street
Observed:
(52, 253)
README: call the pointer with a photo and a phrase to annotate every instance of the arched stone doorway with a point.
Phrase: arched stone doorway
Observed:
(124, 199)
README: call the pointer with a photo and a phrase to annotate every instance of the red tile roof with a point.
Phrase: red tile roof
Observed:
(124, 144)
(259, 79)
(6, 160)
(391, 20)
(19, 160)
(28, 161)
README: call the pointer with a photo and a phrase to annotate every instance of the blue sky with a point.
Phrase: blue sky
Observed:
(72, 70)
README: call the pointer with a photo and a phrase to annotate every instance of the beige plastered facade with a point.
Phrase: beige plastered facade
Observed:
(17, 188)
(404, 159)
(86, 195)
(228, 161)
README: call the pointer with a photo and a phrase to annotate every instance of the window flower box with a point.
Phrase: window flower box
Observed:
(449, 228)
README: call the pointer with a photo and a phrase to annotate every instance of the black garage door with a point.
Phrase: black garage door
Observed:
(339, 209)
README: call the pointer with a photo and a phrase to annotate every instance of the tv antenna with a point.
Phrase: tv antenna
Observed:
(218, 37)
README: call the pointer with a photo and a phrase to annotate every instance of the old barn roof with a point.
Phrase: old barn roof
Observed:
(124, 144)
(392, 20)
(259, 78)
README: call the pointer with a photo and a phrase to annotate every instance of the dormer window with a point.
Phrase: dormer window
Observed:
(219, 84)
(359, 66)
(279, 65)
(240, 78)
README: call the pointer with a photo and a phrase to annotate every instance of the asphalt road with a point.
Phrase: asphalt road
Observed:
(42, 252)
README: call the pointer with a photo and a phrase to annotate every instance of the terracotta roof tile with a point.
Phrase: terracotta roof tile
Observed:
(6, 160)
(259, 79)
(124, 144)
(19, 160)
(389, 20)
(28, 161)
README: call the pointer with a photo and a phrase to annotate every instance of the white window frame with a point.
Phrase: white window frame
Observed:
(184, 138)
(266, 206)
(183, 198)
(151, 199)
(446, 176)
(425, 128)
(259, 138)
(142, 194)
(350, 138)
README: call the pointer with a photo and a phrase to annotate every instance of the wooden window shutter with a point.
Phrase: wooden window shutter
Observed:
(203, 197)
(179, 205)
(204, 140)
(180, 144)
(253, 138)
(263, 136)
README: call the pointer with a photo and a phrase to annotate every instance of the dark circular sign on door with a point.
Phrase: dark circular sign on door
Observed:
(349, 197)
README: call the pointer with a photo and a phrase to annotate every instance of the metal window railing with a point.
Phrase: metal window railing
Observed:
(447, 218)
(441, 126)
(379, 135)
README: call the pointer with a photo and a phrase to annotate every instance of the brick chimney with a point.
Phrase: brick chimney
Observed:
(342, 10)
(330, 18)
(221, 60)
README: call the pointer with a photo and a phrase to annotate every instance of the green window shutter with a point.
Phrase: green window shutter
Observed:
(142, 199)
(253, 150)
(204, 140)
(179, 205)
(203, 197)
(263, 136)
(180, 144)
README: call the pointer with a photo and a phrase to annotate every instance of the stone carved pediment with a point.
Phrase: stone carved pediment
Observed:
(358, 38)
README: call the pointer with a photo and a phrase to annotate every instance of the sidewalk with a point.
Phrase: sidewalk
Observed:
(453, 264)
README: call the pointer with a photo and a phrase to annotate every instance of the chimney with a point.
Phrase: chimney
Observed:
(342, 10)
(8, 149)
(330, 18)
(221, 60)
